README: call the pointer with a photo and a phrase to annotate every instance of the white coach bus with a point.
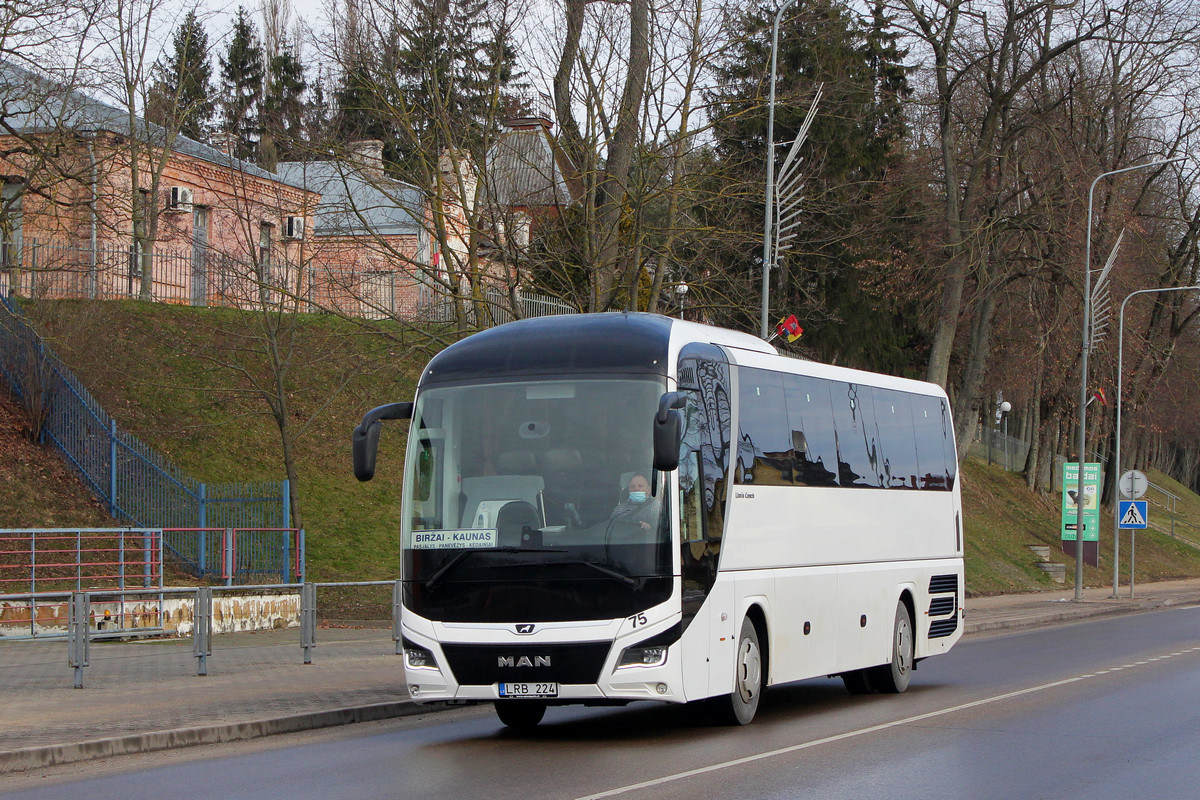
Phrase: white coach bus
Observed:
(604, 508)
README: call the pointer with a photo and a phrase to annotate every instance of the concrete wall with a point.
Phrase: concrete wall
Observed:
(231, 613)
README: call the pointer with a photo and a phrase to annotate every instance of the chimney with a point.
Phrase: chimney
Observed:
(224, 142)
(367, 155)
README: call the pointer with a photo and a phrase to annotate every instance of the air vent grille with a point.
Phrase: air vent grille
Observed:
(939, 584)
(943, 627)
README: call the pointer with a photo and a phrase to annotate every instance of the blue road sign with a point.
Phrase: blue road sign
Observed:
(1132, 513)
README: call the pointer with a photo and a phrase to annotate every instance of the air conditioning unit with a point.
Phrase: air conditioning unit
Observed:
(180, 200)
(293, 228)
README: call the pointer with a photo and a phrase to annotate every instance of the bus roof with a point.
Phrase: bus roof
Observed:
(612, 342)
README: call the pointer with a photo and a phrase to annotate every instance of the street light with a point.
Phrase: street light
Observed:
(1005, 407)
(767, 254)
(1117, 446)
(681, 291)
(1083, 369)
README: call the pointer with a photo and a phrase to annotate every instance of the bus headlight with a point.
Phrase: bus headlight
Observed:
(418, 657)
(643, 657)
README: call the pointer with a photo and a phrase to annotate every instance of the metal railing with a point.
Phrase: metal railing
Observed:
(70, 558)
(139, 485)
(84, 625)
(237, 555)
(1176, 528)
(208, 277)
(996, 448)
(498, 307)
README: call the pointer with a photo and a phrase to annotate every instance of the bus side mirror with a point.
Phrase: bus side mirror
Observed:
(365, 439)
(668, 431)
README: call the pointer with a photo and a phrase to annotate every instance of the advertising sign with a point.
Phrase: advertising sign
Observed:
(1091, 502)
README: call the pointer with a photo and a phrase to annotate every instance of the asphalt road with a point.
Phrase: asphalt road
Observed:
(1108, 708)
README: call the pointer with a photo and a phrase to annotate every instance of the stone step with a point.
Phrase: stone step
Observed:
(1042, 551)
(1056, 571)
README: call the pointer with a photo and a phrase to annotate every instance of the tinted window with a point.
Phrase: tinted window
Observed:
(858, 448)
(764, 437)
(935, 451)
(893, 419)
(810, 413)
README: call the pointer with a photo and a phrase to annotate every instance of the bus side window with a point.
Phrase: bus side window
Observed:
(810, 413)
(894, 421)
(764, 454)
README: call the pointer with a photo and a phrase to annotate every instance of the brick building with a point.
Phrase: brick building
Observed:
(224, 231)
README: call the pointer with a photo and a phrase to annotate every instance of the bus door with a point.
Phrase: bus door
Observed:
(703, 465)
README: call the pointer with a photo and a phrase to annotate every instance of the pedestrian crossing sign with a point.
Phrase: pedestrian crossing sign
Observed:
(1132, 513)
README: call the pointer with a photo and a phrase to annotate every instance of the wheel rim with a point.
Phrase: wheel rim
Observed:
(903, 646)
(749, 676)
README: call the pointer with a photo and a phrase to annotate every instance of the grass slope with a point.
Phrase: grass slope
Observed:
(1002, 518)
(183, 379)
(188, 382)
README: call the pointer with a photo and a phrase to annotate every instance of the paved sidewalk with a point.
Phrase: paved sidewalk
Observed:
(144, 696)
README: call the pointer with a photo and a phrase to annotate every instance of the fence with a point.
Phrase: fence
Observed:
(50, 562)
(58, 559)
(56, 270)
(237, 555)
(139, 485)
(110, 272)
(997, 448)
(497, 306)
(91, 615)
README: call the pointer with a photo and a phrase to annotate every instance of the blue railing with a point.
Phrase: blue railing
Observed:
(138, 485)
(237, 555)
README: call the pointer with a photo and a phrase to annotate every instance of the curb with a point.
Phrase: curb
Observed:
(50, 755)
(1030, 621)
(1042, 620)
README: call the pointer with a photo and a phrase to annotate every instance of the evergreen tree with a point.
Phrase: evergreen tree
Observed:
(452, 62)
(361, 101)
(283, 108)
(242, 86)
(317, 113)
(181, 97)
(834, 276)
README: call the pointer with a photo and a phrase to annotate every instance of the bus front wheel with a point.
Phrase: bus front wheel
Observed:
(739, 707)
(520, 714)
(893, 678)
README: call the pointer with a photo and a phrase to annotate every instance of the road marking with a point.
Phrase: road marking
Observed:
(633, 787)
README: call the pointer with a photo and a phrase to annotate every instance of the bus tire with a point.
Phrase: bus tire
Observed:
(893, 678)
(739, 707)
(520, 714)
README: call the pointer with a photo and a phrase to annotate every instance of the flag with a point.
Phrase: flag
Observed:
(1099, 395)
(790, 328)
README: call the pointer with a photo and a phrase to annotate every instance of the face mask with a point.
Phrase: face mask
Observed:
(637, 497)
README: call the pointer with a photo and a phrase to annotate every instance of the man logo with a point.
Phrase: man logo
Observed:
(525, 628)
(523, 661)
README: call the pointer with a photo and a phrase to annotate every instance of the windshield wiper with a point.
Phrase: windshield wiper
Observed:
(458, 558)
(577, 562)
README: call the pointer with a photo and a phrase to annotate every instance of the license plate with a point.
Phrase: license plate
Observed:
(528, 689)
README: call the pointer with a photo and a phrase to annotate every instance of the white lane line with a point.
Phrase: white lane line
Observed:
(633, 787)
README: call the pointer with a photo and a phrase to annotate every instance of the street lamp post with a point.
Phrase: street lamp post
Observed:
(1083, 370)
(1117, 445)
(768, 254)
(1005, 407)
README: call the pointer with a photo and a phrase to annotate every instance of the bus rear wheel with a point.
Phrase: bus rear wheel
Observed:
(893, 678)
(520, 714)
(739, 707)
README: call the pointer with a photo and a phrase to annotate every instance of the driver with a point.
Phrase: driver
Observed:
(637, 506)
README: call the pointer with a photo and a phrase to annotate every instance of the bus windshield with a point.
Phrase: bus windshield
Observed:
(535, 500)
